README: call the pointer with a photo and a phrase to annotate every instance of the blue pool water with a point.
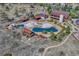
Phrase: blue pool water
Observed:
(52, 29)
(20, 26)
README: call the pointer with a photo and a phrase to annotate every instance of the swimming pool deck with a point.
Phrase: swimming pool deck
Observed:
(58, 26)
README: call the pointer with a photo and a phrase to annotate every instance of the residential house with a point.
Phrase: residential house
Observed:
(56, 15)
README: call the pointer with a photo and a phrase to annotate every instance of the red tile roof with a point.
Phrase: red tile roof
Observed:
(27, 31)
(58, 13)
(37, 16)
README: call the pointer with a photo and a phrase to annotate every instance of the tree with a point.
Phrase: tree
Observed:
(59, 37)
(8, 54)
(7, 8)
(53, 37)
(77, 8)
(2, 4)
(4, 17)
(41, 4)
(49, 9)
(41, 49)
(61, 53)
(67, 8)
(73, 14)
(67, 30)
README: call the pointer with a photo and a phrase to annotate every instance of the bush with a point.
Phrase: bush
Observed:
(53, 37)
(49, 9)
(41, 49)
(61, 53)
(73, 14)
(8, 54)
(77, 8)
(67, 30)
(41, 4)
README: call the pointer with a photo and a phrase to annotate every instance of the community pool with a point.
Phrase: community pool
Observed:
(20, 26)
(51, 29)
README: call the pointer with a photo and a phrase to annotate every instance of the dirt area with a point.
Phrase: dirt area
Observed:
(15, 44)
(12, 42)
(70, 48)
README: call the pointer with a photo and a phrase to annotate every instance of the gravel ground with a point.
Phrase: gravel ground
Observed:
(17, 45)
(70, 48)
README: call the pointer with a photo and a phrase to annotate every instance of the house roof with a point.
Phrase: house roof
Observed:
(27, 30)
(38, 16)
(58, 13)
(43, 15)
(77, 22)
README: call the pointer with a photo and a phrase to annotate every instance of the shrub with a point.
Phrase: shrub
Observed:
(8, 54)
(77, 8)
(73, 14)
